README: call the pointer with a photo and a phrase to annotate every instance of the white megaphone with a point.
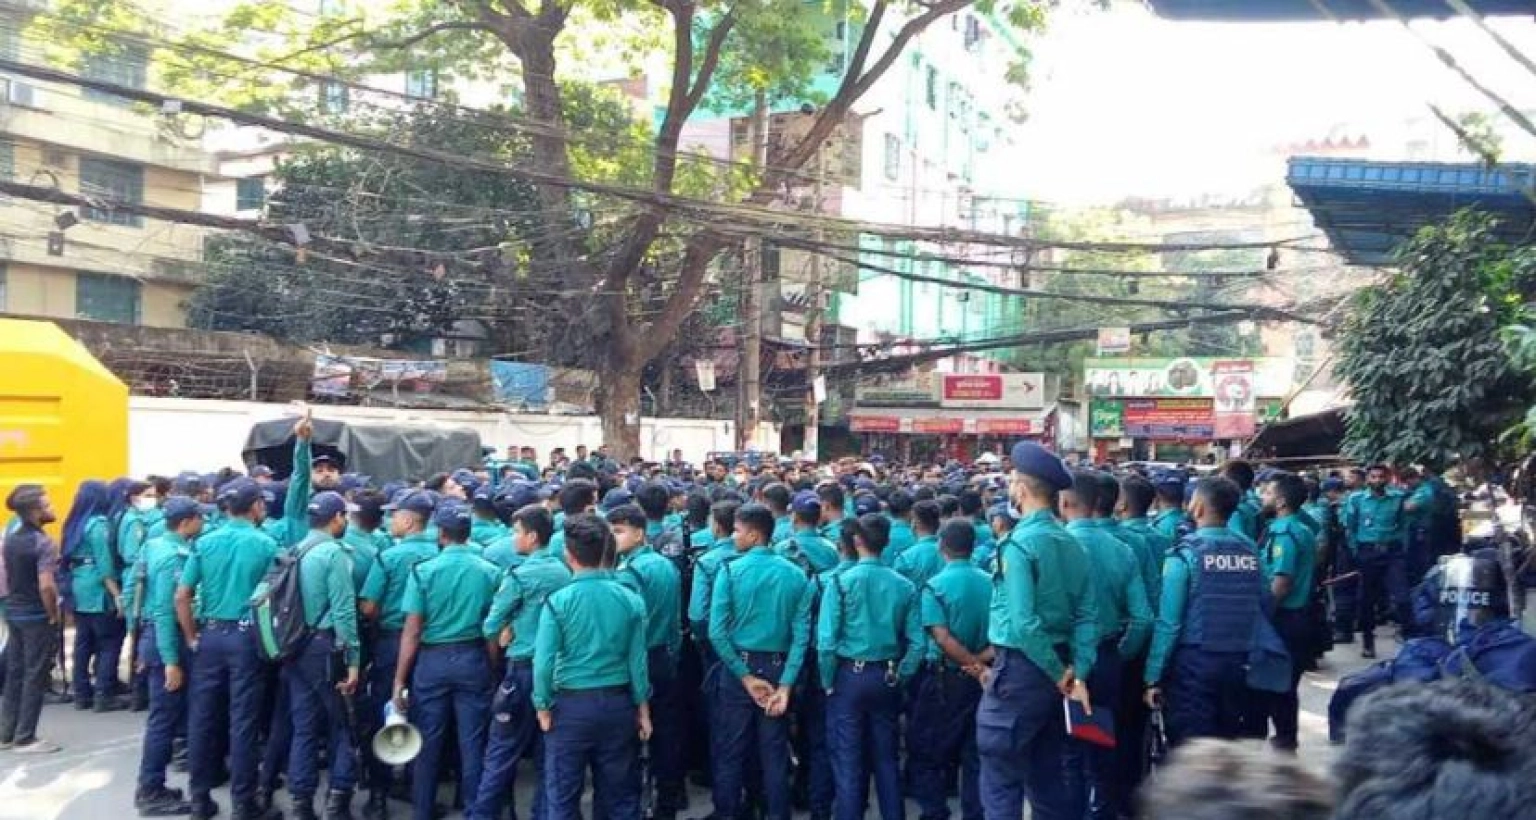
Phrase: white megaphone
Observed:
(398, 742)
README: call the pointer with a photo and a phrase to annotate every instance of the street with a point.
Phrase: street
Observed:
(94, 776)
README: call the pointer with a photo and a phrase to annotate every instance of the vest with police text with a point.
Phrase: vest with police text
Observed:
(1226, 589)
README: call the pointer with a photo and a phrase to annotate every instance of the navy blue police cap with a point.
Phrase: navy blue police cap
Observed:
(1031, 459)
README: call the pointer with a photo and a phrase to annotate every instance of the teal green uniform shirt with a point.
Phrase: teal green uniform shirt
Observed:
(833, 531)
(452, 593)
(164, 559)
(1290, 549)
(364, 552)
(1245, 520)
(1376, 519)
(783, 527)
(920, 561)
(658, 583)
(1168, 522)
(225, 568)
(984, 538)
(486, 531)
(869, 613)
(808, 550)
(958, 599)
(1042, 597)
(701, 539)
(761, 602)
(902, 538)
(92, 565)
(1117, 581)
(503, 554)
(1422, 502)
(295, 523)
(1153, 547)
(591, 635)
(520, 601)
(386, 579)
(723, 549)
(557, 543)
(329, 591)
(132, 534)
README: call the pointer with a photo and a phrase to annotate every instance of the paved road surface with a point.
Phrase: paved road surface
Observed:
(94, 776)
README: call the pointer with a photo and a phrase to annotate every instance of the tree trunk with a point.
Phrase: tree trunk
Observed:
(618, 403)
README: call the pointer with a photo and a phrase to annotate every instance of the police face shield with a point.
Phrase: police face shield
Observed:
(1470, 592)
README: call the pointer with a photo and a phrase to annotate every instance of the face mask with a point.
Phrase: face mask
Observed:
(144, 504)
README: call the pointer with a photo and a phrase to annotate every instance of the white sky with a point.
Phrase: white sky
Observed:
(1127, 104)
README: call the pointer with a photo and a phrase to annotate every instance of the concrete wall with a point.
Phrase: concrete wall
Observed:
(169, 435)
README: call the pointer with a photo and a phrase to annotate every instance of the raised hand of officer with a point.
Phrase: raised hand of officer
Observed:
(173, 678)
(305, 429)
(760, 690)
(642, 722)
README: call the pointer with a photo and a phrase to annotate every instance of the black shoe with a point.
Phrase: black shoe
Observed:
(139, 702)
(377, 807)
(204, 808)
(256, 811)
(110, 704)
(338, 806)
(1368, 653)
(57, 699)
(83, 704)
(1343, 638)
(161, 802)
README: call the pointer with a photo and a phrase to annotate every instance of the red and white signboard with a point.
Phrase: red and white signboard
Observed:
(874, 424)
(1233, 384)
(1007, 391)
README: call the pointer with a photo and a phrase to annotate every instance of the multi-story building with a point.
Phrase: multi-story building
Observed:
(95, 263)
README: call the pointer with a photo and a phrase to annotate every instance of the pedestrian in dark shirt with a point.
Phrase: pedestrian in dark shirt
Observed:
(32, 613)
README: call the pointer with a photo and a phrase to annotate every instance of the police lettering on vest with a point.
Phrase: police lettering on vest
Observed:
(1229, 563)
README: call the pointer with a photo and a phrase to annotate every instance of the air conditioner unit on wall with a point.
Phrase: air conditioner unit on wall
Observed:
(20, 94)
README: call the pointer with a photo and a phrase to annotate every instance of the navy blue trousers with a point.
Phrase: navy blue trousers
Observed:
(863, 740)
(456, 679)
(1383, 578)
(99, 640)
(810, 715)
(1207, 695)
(379, 688)
(319, 716)
(941, 735)
(669, 729)
(167, 710)
(514, 735)
(227, 679)
(738, 728)
(1020, 738)
(594, 730)
(1091, 770)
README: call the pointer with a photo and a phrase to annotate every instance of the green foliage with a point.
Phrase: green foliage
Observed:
(1422, 353)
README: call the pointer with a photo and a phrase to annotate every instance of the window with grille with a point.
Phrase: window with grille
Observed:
(250, 193)
(125, 65)
(335, 98)
(892, 157)
(421, 84)
(107, 298)
(122, 181)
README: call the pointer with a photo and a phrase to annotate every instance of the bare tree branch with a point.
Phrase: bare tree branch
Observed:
(711, 62)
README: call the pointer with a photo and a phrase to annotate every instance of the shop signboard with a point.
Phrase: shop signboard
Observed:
(1177, 419)
(938, 426)
(859, 423)
(1233, 383)
(999, 391)
(1186, 377)
(1106, 419)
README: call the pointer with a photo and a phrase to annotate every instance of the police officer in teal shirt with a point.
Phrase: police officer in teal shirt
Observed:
(1208, 614)
(220, 576)
(383, 597)
(941, 727)
(1288, 554)
(1044, 630)
(902, 536)
(165, 657)
(444, 662)
(1125, 621)
(658, 583)
(973, 508)
(488, 528)
(576, 497)
(869, 642)
(517, 607)
(759, 626)
(95, 598)
(591, 689)
(832, 515)
(326, 671)
(722, 515)
(1375, 525)
(1245, 519)
(922, 560)
(777, 497)
(503, 552)
(1168, 516)
(806, 547)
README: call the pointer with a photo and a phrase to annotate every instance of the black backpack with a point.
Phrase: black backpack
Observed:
(277, 609)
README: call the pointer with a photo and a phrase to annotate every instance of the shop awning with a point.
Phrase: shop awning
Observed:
(922, 421)
(1318, 435)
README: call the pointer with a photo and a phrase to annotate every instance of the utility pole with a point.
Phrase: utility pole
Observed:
(813, 317)
(749, 378)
